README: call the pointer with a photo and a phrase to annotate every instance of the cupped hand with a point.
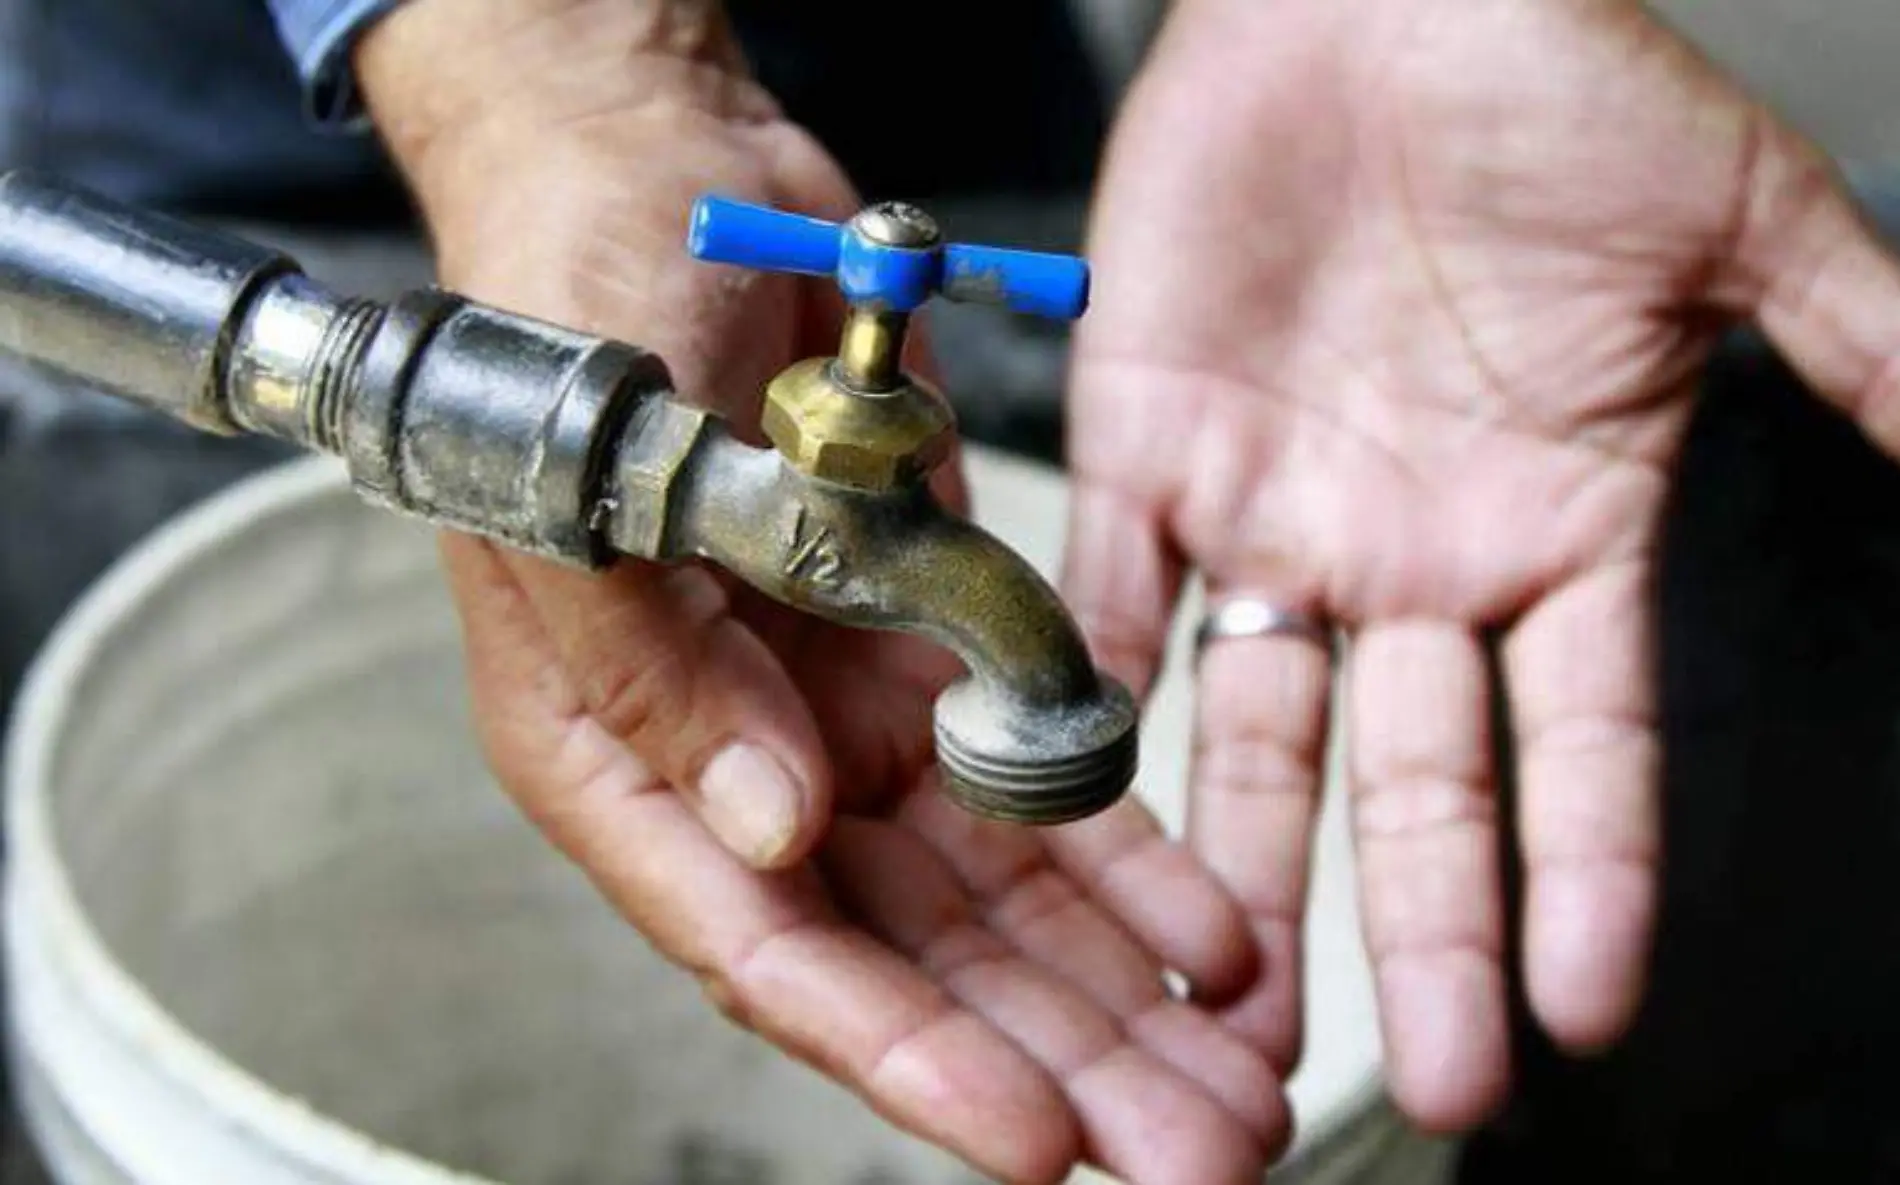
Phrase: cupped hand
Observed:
(755, 789)
(1400, 310)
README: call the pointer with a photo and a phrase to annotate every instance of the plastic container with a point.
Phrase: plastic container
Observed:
(270, 922)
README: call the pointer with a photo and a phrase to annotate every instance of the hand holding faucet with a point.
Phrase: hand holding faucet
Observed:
(653, 604)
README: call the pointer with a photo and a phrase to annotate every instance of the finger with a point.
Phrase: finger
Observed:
(1027, 901)
(1120, 579)
(769, 950)
(1426, 832)
(1142, 1120)
(1579, 670)
(1166, 898)
(1261, 730)
(661, 664)
(1808, 265)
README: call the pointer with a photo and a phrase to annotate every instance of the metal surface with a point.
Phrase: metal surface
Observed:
(278, 357)
(1249, 617)
(137, 305)
(872, 441)
(505, 426)
(888, 256)
(573, 448)
(897, 224)
(871, 350)
(844, 526)
(1033, 734)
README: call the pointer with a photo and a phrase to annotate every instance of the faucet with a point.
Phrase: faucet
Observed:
(578, 449)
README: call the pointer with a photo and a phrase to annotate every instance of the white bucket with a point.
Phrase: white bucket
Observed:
(271, 923)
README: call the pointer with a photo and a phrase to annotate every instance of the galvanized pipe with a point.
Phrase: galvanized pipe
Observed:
(133, 304)
(575, 448)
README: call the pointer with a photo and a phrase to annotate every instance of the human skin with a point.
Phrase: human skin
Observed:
(1430, 284)
(753, 789)
(1398, 313)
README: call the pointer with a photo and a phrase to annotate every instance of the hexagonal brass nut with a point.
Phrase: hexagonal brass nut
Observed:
(660, 440)
(872, 442)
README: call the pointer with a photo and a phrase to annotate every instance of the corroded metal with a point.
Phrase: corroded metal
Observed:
(649, 474)
(874, 442)
(869, 355)
(898, 224)
(578, 449)
(1034, 733)
(141, 305)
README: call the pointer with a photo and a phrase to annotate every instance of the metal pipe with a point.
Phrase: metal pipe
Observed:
(133, 304)
(282, 378)
(575, 448)
(445, 410)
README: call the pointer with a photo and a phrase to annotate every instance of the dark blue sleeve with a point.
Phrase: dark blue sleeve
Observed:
(320, 35)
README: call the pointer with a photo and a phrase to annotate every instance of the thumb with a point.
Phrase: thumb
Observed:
(1810, 269)
(652, 657)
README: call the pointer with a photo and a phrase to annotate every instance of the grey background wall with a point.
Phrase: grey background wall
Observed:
(1833, 66)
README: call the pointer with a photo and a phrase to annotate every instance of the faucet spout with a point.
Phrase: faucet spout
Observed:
(1032, 733)
(576, 448)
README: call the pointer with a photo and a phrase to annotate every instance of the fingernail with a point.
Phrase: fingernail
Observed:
(752, 803)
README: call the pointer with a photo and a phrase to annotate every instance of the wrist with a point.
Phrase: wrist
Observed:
(448, 84)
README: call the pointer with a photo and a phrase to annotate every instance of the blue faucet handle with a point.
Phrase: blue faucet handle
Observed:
(890, 256)
(763, 239)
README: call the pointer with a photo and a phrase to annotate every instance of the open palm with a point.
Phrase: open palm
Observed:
(1400, 311)
(755, 789)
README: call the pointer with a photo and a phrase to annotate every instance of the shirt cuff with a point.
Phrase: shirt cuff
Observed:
(320, 34)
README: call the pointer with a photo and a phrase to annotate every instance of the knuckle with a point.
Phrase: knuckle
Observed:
(726, 997)
(1257, 765)
(1591, 735)
(1040, 897)
(645, 697)
(632, 701)
(1422, 807)
(1141, 850)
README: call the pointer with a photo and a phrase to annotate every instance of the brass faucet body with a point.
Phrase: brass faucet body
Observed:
(1033, 734)
(579, 449)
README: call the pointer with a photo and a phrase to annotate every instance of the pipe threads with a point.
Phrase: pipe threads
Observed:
(1039, 793)
(1039, 765)
(335, 367)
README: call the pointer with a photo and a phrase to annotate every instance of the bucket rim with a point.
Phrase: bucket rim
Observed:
(69, 944)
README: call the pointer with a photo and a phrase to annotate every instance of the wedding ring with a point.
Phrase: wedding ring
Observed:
(1247, 617)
